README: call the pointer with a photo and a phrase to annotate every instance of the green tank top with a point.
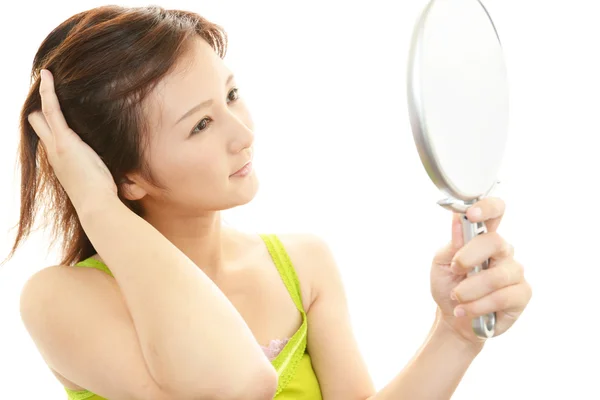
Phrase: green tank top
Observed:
(297, 379)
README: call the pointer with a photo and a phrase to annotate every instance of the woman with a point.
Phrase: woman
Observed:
(144, 140)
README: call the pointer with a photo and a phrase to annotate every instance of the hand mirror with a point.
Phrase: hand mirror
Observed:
(458, 109)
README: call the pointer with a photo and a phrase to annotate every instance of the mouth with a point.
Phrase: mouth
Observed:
(244, 171)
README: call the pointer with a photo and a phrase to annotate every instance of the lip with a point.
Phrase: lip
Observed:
(244, 171)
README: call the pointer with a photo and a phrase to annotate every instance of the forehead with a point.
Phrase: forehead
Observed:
(198, 76)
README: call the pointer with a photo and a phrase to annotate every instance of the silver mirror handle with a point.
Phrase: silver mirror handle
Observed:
(483, 326)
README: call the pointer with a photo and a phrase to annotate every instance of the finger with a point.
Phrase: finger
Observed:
(510, 300)
(488, 281)
(457, 236)
(50, 104)
(40, 126)
(489, 210)
(479, 249)
(444, 256)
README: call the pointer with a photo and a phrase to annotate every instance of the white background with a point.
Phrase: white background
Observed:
(335, 156)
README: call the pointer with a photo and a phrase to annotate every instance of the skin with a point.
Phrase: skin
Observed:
(196, 169)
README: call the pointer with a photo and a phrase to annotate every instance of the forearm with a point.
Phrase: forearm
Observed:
(435, 371)
(189, 332)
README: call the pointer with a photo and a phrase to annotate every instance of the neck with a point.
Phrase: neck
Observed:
(199, 237)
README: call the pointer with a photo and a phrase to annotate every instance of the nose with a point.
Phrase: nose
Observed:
(242, 134)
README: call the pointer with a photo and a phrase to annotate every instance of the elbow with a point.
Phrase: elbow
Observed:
(259, 383)
(269, 381)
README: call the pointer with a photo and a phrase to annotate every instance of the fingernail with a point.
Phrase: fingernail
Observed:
(459, 312)
(453, 267)
(475, 212)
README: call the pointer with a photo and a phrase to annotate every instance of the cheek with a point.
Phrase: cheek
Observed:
(193, 170)
(187, 170)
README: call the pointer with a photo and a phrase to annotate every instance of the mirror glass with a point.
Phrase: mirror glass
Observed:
(458, 97)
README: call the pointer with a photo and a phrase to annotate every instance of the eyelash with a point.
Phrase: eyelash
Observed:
(206, 120)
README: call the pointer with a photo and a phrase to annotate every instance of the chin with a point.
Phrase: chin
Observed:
(245, 192)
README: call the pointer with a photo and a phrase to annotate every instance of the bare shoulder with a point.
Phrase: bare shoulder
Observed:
(78, 320)
(57, 286)
(307, 247)
(55, 283)
(313, 260)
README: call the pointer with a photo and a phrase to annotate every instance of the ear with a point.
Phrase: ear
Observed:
(132, 187)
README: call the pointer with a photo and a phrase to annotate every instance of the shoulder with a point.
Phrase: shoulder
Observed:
(81, 326)
(308, 249)
(59, 277)
(57, 289)
(313, 261)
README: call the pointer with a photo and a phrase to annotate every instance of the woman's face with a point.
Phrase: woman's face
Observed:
(201, 136)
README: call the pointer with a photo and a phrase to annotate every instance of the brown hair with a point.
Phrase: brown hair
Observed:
(105, 61)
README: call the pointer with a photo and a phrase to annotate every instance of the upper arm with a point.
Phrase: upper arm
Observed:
(334, 352)
(80, 324)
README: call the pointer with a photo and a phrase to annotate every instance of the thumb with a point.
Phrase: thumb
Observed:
(40, 127)
(444, 256)
(457, 235)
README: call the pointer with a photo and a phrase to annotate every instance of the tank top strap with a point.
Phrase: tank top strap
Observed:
(93, 263)
(287, 362)
(285, 268)
(82, 395)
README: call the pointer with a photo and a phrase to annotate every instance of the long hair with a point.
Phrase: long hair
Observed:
(105, 62)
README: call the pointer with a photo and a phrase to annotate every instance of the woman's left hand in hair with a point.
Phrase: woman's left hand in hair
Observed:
(501, 288)
(81, 172)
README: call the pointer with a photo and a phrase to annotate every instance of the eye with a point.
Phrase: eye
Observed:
(233, 95)
(202, 125)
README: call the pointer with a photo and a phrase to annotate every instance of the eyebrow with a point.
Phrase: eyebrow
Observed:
(206, 103)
